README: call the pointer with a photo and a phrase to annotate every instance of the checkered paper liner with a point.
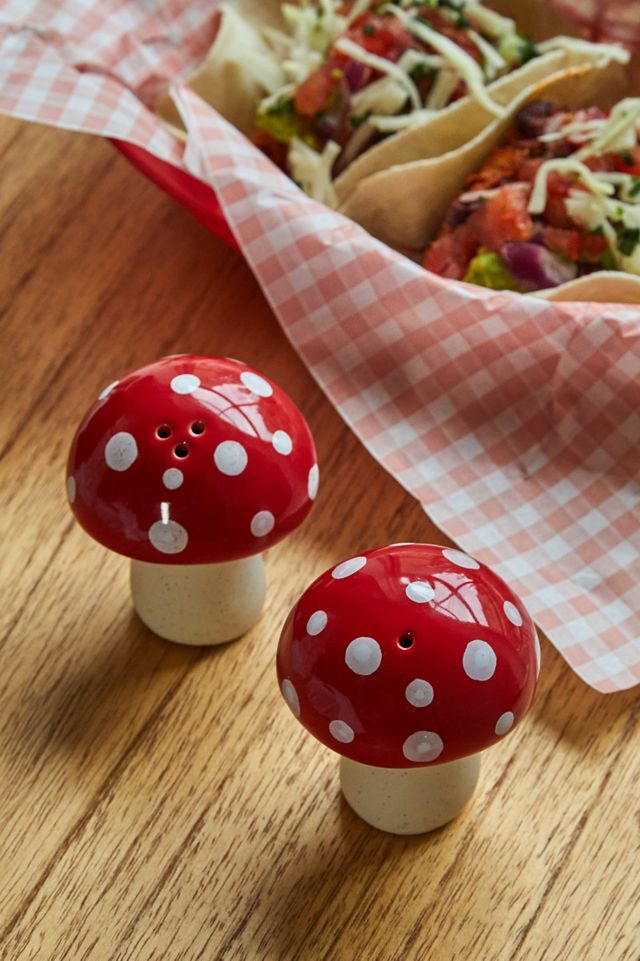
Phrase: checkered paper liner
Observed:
(515, 422)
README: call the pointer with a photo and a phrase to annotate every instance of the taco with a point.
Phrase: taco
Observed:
(405, 205)
(555, 207)
(362, 81)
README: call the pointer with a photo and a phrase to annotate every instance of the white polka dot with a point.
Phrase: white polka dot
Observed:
(169, 538)
(536, 643)
(363, 656)
(282, 443)
(107, 390)
(313, 482)
(172, 478)
(419, 693)
(341, 731)
(422, 746)
(290, 695)
(512, 613)
(71, 489)
(479, 661)
(185, 383)
(257, 385)
(317, 623)
(420, 592)
(262, 523)
(121, 451)
(230, 458)
(347, 568)
(504, 723)
(460, 559)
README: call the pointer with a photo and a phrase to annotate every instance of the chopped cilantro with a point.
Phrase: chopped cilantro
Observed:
(626, 157)
(597, 231)
(369, 30)
(634, 189)
(356, 120)
(628, 238)
(619, 212)
(421, 70)
(528, 49)
(280, 121)
(458, 9)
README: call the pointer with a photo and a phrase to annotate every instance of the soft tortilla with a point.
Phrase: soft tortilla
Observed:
(237, 72)
(604, 287)
(405, 205)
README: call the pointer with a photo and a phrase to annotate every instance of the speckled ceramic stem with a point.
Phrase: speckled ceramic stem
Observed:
(409, 800)
(199, 604)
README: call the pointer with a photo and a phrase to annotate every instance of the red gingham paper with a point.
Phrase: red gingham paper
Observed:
(515, 422)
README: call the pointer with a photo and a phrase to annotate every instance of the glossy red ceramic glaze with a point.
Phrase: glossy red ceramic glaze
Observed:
(192, 460)
(407, 655)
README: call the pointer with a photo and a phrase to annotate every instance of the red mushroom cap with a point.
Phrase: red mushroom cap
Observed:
(408, 655)
(192, 460)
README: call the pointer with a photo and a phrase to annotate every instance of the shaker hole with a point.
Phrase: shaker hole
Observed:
(181, 450)
(163, 431)
(405, 641)
(197, 427)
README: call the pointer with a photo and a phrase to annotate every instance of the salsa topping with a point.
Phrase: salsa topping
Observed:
(559, 200)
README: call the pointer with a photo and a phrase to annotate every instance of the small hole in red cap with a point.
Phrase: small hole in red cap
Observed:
(181, 450)
(197, 427)
(405, 641)
(163, 431)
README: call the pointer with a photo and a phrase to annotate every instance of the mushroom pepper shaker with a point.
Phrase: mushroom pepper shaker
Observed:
(408, 661)
(192, 467)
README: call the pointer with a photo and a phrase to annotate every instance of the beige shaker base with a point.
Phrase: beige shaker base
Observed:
(199, 604)
(409, 800)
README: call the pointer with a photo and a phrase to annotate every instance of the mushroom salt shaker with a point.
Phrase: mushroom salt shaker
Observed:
(192, 467)
(408, 661)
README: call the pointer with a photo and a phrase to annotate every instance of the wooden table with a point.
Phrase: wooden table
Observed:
(158, 802)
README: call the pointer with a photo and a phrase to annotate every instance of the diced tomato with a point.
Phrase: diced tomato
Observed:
(628, 161)
(528, 168)
(601, 164)
(314, 94)
(451, 254)
(555, 212)
(503, 217)
(382, 36)
(563, 242)
(592, 246)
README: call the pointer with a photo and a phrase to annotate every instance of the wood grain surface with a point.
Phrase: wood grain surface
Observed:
(159, 802)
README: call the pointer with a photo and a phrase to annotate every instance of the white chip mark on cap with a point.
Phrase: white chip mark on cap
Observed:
(256, 384)
(71, 488)
(262, 523)
(290, 695)
(168, 537)
(172, 478)
(419, 693)
(504, 723)
(230, 458)
(282, 443)
(512, 613)
(536, 644)
(347, 568)
(363, 656)
(420, 592)
(107, 390)
(185, 383)
(479, 661)
(317, 623)
(423, 746)
(460, 559)
(341, 731)
(312, 482)
(120, 451)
